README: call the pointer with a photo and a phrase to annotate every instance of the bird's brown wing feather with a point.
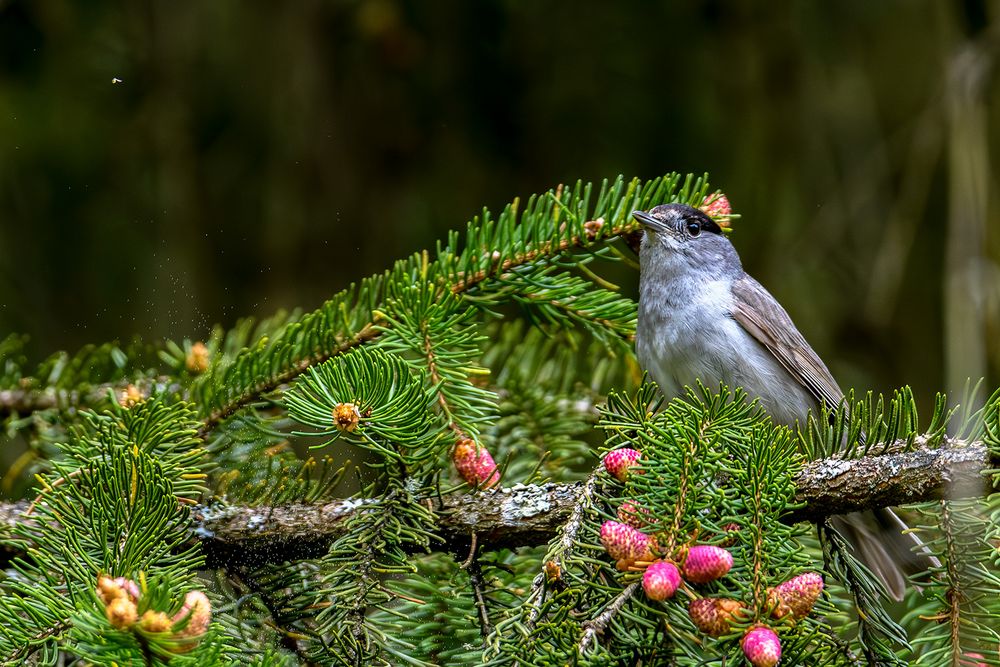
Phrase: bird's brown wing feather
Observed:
(764, 319)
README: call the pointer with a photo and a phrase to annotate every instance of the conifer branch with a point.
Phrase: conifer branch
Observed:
(366, 334)
(26, 401)
(476, 580)
(22, 401)
(374, 329)
(534, 514)
(435, 376)
(953, 595)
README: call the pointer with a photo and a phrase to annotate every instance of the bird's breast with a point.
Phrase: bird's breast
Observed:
(685, 335)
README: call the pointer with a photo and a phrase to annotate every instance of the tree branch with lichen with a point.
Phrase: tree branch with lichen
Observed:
(533, 514)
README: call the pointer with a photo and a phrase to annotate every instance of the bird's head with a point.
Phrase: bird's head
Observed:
(678, 233)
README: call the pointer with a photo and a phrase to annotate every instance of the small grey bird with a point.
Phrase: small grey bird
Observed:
(701, 317)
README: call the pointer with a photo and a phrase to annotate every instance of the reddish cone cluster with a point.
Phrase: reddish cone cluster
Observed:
(626, 544)
(718, 208)
(761, 647)
(660, 580)
(714, 616)
(796, 596)
(474, 463)
(705, 563)
(618, 461)
(120, 597)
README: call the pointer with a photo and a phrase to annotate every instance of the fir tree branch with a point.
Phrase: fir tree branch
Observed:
(533, 514)
(459, 283)
(838, 486)
(953, 596)
(436, 380)
(366, 334)
(26, 401)
(23, 401)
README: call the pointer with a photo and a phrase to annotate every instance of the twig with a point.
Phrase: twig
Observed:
(476, 579)
(597, 626)
(953, 596)
(569, 531)
(472, 553)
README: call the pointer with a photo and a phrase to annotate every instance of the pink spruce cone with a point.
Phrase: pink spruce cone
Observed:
(633, 515)
(705, 563)
(618, 461)
(713, 616)
(623, 542)
(660, 580)
(717, 206)
(798, 595)
(474, 463)
(761, 647)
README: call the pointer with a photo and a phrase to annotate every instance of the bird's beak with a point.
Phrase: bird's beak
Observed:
(649, 222)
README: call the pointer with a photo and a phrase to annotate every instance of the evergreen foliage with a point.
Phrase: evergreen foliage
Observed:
(507, 337)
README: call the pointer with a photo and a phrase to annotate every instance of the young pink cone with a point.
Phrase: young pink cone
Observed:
(623, 542)
(717, 206)
(633, 515)
(798, 595)
(618, 461)
(474, 463)
(713, 616)
(761, 647)
(705, 563)
(660, 580)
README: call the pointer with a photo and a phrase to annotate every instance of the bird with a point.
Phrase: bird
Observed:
(701, 317)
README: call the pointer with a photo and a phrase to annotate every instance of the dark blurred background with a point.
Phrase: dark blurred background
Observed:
(165, 166)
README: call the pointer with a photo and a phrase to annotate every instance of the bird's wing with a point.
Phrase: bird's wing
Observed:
(763, 318)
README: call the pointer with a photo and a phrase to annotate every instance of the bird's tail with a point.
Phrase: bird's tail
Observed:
(880, 542)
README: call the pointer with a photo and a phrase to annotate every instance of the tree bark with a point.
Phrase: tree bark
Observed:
(526, 515)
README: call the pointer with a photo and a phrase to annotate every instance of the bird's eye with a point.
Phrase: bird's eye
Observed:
(694, 228)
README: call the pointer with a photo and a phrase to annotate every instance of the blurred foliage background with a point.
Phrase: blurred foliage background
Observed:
(165, 166)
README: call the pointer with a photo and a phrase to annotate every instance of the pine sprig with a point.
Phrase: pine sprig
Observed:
(551, 299)
(375, 547)
(705, 452)
(957, 619)
(116, 505)
(550, 229)
(440, 334)
(370, 398)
